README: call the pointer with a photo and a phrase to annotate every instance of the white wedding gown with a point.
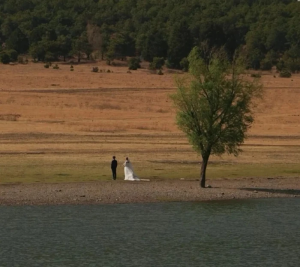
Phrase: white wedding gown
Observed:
(129, 173)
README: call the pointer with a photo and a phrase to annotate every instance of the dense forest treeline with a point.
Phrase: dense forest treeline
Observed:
(268, 31)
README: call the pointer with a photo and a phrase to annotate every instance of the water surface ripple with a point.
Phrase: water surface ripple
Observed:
(263, 232)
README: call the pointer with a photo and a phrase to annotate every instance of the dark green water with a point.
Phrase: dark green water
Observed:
(230, 233)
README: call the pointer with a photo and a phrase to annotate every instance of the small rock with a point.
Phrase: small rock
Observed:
(82, 196)
(208, 186)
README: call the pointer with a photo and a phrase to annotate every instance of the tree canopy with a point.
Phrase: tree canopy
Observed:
(268, 29)
(214, 106)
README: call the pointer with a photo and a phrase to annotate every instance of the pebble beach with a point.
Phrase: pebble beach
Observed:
(120, 191)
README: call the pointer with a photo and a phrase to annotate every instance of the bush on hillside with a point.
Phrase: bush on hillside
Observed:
(4, 57)
(13, 54)
(285, 74)
(95, 69)
(157, 63)
(184, 64)
(255, 75)
(265, 64)
(134, 63)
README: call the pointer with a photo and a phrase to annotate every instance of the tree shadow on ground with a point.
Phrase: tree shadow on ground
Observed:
(274, 191)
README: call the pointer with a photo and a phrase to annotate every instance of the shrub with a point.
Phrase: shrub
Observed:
(255, 75)
(265, 64)
(46, 66)
(55, 67)
(21, 60)
(293, 65)
(184, 64)
(4, 57)
(169, 65)
(280, 65)
(157, 63)
(95, 69)
(160, 72)
(71, 68)
(13, 54)
(134, 63)
(285, 74)
(50, 57)
(108, 71)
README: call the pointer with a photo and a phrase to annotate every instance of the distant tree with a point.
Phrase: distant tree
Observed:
(4, 57)
(63, 46)
(134, 63)
(151, 43)
(13, 54)
(179, 43)
(120, 46)
(81, 47)
(214, 109)
(17, 41)
(157, 63)
(184, 64)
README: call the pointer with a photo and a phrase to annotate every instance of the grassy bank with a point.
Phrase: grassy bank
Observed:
(53, 169)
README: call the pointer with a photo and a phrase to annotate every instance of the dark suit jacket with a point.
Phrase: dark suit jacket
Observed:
(114, 164)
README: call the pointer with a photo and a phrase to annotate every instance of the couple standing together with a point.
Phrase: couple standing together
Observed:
(128, 170)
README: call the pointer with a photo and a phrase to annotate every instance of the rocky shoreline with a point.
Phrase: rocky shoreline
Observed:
(112, 192)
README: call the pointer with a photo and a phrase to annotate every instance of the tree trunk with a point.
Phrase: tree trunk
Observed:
(203, 171)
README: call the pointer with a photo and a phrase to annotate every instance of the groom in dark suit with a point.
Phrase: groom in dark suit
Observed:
(114, 165)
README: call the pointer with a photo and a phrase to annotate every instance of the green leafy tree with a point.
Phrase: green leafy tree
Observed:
(81, 46)
(157, 63)
(184, 64)
(134, 63)
(120, 46)
(180, 44)
(214, 109)
(63, 45)
(4, 57)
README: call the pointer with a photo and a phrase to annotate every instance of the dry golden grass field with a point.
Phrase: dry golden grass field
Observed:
(58, 125)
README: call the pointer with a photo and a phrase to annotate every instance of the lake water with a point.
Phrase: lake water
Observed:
(228, 233)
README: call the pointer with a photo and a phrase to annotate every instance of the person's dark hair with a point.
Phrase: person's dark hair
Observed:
(127, 158)
(114, 157)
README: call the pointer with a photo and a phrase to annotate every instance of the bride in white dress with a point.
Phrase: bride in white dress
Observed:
(128, 171)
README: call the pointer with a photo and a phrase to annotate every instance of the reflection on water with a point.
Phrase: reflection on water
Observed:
(227, 233)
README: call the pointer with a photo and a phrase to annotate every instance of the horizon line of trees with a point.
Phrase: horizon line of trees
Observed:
(268, 31)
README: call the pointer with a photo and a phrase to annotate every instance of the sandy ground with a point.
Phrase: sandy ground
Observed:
(110, 192)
